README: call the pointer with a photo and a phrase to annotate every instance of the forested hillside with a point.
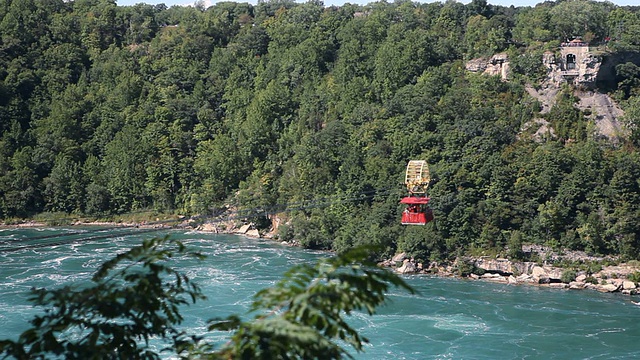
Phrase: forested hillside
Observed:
(107, 109)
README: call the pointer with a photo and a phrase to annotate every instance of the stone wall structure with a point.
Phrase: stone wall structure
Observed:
(576, 65)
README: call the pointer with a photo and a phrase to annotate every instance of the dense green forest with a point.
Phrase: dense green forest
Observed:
(106, 109)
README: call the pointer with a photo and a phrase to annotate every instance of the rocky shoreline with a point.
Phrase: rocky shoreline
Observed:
(610, 279)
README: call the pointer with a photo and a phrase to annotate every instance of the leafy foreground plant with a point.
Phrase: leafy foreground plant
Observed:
(303, 315)
(136, 297)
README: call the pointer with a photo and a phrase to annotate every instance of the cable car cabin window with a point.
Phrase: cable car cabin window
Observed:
(417, 217)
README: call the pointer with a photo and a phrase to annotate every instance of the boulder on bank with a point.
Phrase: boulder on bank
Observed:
(577, 285)
(243, 229)
(546, 275)
(609, 288)
(408, 267)
(525, 278)
(209, 227)
(253, 233)
(494, 277)
(399, 257)
(539, 275)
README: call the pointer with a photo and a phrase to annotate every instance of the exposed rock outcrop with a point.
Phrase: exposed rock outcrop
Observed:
(243, 229)
(253, 233)
(604, 112)
(609, 279)
(608, 288)
(208, 227)
(497, 65)
(247, 230)
(497, 266)
(574, 63)
(408, 267)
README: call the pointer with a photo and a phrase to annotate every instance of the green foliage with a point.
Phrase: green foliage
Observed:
(53, 218)
(109, 109)
(593, 268)
(624, 26)
(632, 118)
(485, 37)
(136, 297)
(591, 280)
(529, 65)
(582, 18)
(132, 298)
(635, 277)
(568, 276)
(466, 267)
(514, 246)
(568, 121)
(628, 79)
(303, 315)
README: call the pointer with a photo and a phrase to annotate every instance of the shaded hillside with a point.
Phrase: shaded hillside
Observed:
(109, 109)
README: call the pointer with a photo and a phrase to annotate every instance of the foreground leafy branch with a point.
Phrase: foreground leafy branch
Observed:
(136, 297)
(303, 315)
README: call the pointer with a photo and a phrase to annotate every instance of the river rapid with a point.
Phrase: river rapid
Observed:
(446, 319)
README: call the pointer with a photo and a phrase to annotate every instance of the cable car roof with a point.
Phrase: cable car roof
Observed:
(415, 200)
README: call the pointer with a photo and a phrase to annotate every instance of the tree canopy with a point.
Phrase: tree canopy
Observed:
(108, 109)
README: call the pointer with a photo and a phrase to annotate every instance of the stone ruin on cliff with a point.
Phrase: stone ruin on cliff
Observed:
(576, 65)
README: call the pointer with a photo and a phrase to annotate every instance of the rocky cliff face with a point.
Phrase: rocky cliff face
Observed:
(575, 65)
(606, 78)
(578, 67)
(497, 65)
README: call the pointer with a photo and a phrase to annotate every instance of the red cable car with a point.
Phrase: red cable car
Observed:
(417, 212)
(417, 180)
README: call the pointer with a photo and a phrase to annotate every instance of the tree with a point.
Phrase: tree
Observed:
(624, 28)
(533, 25)
(124, 168)
(579, 18)
(64, 188)
(484, 37)
(632, 119)
(136, 296)
(628, 76)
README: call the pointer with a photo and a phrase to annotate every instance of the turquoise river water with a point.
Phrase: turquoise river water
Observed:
(447, 319)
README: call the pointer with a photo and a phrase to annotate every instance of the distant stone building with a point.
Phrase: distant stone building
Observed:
(575, 65)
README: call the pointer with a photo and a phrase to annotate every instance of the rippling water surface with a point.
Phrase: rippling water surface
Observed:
(447, 319)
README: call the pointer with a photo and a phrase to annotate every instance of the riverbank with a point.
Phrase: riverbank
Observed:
(141, 219)
(599, 274)
(587, 272)
(603, 274)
